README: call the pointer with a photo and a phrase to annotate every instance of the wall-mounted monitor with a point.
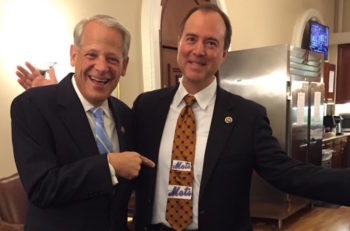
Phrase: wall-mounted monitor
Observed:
(316, 37)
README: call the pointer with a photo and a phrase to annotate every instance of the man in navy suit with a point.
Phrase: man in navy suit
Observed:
(70, 184)
(233, 137)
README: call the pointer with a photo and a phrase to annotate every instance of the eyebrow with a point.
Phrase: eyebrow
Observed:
(207, 38)
(212, 39)
(190, 34)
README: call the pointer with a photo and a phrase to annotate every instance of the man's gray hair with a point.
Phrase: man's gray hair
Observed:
(109, 22)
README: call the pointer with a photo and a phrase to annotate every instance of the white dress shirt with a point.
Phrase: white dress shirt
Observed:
(203, 111)
(108, 123)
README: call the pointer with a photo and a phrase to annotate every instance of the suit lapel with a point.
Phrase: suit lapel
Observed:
(223, 122)
(119, 124)
(74, 118)
(160, 114)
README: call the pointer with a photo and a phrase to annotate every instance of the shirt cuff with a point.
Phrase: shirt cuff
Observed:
(112, 171)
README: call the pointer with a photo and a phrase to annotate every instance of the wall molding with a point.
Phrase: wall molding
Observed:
(151, 11)
(299, 25)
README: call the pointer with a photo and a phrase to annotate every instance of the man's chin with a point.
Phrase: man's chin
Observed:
(193, 77)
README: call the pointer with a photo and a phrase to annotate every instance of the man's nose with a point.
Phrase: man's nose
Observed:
(101, 64)
(199, 49)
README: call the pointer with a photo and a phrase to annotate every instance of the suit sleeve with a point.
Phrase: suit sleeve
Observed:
(296, 177)
(49, 180)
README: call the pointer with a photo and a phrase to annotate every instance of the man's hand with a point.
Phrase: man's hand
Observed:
(128, 164)
(34, 78)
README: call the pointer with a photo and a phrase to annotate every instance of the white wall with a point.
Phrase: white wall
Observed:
(41, 30)
(270, 22)
(346, 16)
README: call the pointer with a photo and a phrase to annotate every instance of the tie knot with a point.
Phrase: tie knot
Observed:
(97, 112)
(189, 100)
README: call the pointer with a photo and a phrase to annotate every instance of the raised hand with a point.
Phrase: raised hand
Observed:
(33, 78)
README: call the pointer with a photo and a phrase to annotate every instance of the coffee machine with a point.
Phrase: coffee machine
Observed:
(329, 123)
(338, 125)
(345, 125)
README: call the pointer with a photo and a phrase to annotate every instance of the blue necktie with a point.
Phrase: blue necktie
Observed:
(103, 143)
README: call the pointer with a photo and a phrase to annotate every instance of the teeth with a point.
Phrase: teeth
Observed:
(198, 63)
(99, 80)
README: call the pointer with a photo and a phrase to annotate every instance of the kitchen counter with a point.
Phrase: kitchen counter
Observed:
(340, 144)
(333, 136)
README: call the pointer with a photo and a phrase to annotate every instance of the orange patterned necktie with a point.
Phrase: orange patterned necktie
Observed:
(179, 205)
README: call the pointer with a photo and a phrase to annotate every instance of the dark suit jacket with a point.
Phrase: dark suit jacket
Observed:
(68, 184)
(233, 150)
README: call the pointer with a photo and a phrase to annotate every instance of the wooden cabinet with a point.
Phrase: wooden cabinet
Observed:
(343, 74)
(340, 147)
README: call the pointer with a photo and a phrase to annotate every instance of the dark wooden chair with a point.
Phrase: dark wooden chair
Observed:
(13, 202)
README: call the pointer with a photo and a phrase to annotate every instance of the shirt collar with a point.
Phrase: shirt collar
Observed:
(203, 97)
(86, 104)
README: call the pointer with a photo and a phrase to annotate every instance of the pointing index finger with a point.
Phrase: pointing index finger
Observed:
(147, 162)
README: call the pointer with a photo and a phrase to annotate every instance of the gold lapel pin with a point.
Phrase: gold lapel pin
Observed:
(228, 119)
(122, 129)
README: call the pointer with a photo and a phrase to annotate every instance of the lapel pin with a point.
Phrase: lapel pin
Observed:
(228, 119)
(122, 129)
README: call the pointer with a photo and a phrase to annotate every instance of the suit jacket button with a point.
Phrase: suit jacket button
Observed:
(201, 212)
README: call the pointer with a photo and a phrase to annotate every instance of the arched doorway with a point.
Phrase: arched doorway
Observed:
(300, 24)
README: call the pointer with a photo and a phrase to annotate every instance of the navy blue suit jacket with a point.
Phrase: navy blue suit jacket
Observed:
(68, 184)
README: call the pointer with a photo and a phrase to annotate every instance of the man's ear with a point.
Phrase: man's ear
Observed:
(73, 55)
(178, 41)
(224, 55)
(125, 65)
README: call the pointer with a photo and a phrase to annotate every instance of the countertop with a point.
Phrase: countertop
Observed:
(333, 136)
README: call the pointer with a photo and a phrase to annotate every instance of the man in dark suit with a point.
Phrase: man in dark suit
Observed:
(70, 183)
(233, 137)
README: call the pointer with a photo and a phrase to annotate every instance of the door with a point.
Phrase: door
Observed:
(299, 119)
(316, 110)
(343, 75)
(329, 81)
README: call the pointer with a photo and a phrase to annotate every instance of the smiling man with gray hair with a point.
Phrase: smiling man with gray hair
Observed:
(73, 142)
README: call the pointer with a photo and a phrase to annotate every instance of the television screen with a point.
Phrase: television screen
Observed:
(319, 38)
